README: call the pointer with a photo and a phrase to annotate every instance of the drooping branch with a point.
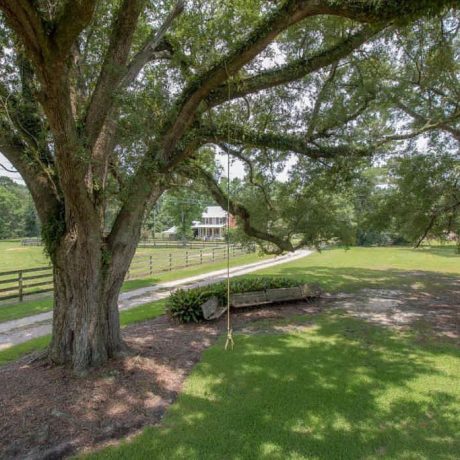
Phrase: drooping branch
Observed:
(294, 70)
(13, 171)
(240, 211)
(35, 175)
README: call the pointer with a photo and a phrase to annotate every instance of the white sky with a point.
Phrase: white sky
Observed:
(15, 176)
(237, 168)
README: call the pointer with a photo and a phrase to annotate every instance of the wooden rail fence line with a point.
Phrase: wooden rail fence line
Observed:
(17, 284)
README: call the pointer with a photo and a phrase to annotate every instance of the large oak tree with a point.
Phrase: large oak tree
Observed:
(105, 101)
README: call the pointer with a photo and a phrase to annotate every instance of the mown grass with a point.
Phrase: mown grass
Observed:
(135, 315)
(14, 256)
(342, 389)
(24, 309)
(18, 351)
(13, 311)
(192, 271)
(430, 268)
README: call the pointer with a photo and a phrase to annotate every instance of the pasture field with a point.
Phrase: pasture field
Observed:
(429, 267)
(14, 256)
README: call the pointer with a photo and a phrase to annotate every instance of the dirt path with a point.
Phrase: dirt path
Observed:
(49, 413)
(24, 329)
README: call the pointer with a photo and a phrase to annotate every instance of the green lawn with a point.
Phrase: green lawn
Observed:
(342, 389)
(332, 388)
(12, 311)
(13, 256)
(428, 268)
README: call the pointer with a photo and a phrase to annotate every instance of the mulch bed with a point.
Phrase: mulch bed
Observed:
(49, 413)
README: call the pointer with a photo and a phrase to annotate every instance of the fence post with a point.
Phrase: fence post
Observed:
(233, 250)
(21, 293)
(170, 261)
(201, 256)
(186, 258)
(151, 265)
(213, 256)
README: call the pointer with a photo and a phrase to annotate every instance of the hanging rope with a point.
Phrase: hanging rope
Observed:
(229, 343)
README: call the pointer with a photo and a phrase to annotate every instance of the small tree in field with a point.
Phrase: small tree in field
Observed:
(111, 102)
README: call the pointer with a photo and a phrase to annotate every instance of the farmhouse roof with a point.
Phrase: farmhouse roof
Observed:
(214, 211)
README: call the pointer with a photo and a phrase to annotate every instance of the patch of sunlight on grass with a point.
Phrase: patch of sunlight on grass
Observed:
(430, 268)
(346, 389)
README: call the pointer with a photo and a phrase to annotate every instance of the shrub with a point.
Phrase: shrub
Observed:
(185, 305)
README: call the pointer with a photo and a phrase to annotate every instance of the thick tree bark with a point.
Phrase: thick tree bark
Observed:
(87, 282)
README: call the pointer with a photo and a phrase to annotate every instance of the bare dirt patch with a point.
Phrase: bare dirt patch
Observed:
(49, 413)
(439, 313)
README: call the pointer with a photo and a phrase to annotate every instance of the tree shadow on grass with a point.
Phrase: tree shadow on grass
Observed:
(444, 251)
(334, 279)
(342, 390)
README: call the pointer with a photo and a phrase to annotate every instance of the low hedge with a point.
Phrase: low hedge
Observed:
(185, 304)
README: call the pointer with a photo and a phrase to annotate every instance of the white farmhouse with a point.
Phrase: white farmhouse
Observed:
(213, 224)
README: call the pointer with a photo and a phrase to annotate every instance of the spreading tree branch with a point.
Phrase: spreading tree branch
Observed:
(35, 175)
(240, 211)
(294, 70)
(113, 68)
(152, 45)
(75, 16)
(291, 12)
(238, 135)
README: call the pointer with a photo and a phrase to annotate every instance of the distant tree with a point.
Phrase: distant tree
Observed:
(17, 213)
(31, 223)
(424, 202)
(181, 207)
(10, 213)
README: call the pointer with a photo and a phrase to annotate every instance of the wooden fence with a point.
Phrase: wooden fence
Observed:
(17, 284)
(169, 244)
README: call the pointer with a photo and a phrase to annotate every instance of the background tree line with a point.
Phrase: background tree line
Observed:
(18, 217)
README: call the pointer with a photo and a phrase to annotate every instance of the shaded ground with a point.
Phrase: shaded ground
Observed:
(49, 413)
(434, 314)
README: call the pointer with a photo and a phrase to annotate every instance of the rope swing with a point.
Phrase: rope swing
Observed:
(229, 343)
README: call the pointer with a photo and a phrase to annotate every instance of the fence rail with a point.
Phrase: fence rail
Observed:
(17, 284)
(169, 244)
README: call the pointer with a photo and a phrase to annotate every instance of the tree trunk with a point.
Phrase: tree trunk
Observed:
(87, 282)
